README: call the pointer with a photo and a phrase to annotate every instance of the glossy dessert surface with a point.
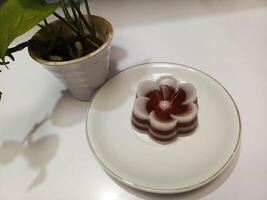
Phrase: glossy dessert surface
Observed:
(165, 107)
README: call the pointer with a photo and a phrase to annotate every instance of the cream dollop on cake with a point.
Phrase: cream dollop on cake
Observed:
(165, 107)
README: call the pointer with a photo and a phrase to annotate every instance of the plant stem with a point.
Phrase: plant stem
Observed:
(4, 63)
(65, 11)
(73, 28)
(45, 22)
(17, 48)
(77, 21)
(94, 40)
(40, 25)
(80, 15)
(74, 14)
(12, 50)
(80, 21)
(80, 24)
(90, 19)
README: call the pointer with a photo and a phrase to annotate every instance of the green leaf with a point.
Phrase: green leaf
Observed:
(19, 16)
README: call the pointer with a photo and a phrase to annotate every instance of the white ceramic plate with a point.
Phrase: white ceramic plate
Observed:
(136, 160)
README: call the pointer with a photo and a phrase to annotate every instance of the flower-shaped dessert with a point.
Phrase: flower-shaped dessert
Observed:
(165, 107)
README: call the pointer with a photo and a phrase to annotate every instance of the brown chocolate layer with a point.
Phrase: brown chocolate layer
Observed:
(143, 129)
(188, 129)
(187, 124)
(142, 121)
(159, 132)
(158, 137)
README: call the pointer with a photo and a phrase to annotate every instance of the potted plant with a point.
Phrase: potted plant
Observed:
(75, 48)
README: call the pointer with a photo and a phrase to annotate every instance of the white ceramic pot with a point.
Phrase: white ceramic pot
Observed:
(84, 75)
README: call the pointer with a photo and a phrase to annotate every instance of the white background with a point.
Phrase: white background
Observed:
(52, 160)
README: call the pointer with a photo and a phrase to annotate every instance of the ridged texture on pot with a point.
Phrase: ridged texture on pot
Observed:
(82, 76)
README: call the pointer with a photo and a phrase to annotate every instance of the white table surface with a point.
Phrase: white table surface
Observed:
(44, 153)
